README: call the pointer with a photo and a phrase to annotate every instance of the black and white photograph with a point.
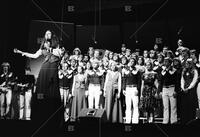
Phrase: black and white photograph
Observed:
(99, 68)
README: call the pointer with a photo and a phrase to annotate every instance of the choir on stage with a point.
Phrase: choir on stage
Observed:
(128, 86)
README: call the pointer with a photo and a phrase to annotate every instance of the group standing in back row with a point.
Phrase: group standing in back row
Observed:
(128, 85)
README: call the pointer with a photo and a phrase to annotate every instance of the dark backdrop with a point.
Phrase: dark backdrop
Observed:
(106, 37)
(16, 17)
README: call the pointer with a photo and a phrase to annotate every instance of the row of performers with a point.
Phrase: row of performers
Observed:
(131, 90)
(97, 87)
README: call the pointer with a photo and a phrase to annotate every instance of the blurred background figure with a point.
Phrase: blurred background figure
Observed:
(26, 91)
(6, 84)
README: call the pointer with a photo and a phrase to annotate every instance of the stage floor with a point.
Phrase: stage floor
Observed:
(97, 128)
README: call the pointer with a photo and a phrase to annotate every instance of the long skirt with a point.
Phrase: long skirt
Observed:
(78, 103)
(47, 108)
(113, 106)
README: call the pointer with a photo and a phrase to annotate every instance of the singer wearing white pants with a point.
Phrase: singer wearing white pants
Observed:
(5, 106)
(25, 105)
(94, 93)
(65, 98)
(169, 105)
(198, 94)
(131, 98)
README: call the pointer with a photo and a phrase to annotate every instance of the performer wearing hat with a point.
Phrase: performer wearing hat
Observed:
(6, 80)
(170, 54)
(189, 102)
(168, 92)
(185, 54)
(76, 53)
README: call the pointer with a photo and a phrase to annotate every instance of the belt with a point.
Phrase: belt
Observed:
(131, 86)
(66, 88)
(94, 84)
(170, 86)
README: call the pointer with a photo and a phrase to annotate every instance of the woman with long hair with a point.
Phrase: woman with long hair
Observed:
(112, 91)
(130, 88)
(149, 88)
(46, 101)
(78, 93)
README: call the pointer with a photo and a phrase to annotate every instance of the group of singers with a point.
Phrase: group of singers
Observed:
(132, 84)
(127, 85)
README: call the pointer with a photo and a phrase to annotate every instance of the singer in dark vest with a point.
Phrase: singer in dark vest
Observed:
(168, 92)
(189, 102)
(130, 86)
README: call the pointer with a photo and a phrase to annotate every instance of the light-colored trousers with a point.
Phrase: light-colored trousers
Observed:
(64, 93)
(198, 94)
(169, 102)
(93, 96)
(25, 105)
(131, 98)
(5, 108)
